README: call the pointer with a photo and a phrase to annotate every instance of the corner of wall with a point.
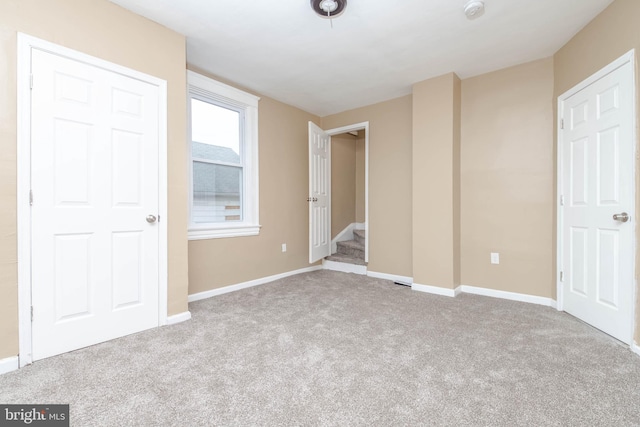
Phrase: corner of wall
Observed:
(456, 179)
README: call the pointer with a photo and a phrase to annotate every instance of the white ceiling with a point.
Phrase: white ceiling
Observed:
(375, 51)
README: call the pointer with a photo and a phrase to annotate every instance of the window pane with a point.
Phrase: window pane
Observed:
(216, 193)
(215, 132)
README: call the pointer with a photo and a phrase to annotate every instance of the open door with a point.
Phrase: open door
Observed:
(597, 200)
(319, 193)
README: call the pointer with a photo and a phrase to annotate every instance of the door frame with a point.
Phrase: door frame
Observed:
(25, 45)
(353, 128)
(628, 57)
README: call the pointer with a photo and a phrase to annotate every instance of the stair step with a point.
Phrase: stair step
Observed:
(351, 244)
(351, 248)
(346, 259)
(359, 236)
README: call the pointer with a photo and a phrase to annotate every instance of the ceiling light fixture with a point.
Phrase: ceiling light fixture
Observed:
(474, 9)
(329, 8)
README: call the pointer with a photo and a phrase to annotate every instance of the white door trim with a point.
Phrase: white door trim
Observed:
(25, 44)
(628, 57)
(352, 128)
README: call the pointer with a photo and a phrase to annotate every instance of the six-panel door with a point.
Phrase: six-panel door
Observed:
(94, 153)
(597, 183)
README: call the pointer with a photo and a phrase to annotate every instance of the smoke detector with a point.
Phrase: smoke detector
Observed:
(474, 9)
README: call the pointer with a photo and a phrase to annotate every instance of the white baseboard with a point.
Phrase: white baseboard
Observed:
(361, 226)
(9, 364)
(346, 234)
(178, 318)
(436, 290)
(344, 267)
(635, 348)
(232, 288)
(393, 277)
(513, 296)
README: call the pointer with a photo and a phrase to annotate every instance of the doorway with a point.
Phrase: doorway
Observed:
(321, 235)
(348, 198)
(597, 206)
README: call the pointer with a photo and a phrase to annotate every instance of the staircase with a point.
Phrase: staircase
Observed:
(350, 251)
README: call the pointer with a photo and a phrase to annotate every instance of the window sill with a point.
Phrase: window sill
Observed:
(239, 230)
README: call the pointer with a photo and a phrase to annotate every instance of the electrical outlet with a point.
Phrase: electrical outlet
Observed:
(495, 258)
(284, 247)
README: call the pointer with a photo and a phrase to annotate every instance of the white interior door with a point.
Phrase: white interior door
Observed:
(597, 155)
(94, 179)
(319, 193)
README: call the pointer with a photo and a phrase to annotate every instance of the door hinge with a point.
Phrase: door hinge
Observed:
(30, 81)
(30, 197)
(562, 276)
(561, 200)
(561, 123)
(158, 218)
(32, 313)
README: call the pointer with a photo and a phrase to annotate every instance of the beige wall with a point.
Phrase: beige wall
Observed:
(284, 210)
(360, 177)
(389, 181)
(343, 182)
(507, 179)
(611, 34)
(101, 29)
(436, 189)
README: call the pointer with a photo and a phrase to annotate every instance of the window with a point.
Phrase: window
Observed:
(223, 130)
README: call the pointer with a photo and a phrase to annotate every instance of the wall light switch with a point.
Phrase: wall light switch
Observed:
(284, 247)
(495, 258)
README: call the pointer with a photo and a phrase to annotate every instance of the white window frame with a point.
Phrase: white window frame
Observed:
(206, 89)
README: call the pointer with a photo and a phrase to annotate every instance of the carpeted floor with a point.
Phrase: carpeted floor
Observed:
(328, 348)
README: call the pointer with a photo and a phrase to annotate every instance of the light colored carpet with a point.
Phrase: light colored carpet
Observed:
(328, 348)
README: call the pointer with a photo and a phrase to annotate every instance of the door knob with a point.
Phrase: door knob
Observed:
(151, 219)
(622, 217)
